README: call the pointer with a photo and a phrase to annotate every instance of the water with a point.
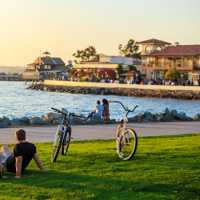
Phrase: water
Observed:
(17, 101)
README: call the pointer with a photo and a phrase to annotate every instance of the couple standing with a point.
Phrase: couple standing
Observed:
(102, 110)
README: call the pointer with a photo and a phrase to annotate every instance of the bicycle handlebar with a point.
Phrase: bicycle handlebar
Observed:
(124, 107)
(81, 117)
(70, 114)
(59, 111)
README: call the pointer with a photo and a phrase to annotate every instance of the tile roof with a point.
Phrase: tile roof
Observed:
(153, 41)
(47, 60)
(179, 50)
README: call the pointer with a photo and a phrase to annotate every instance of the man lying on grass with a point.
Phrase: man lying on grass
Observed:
(23, 153)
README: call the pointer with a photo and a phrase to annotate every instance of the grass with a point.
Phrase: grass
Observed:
(163, 168)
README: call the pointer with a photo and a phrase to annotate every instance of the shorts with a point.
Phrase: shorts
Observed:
(10, 164)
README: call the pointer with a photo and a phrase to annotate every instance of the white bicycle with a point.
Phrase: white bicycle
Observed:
(126, 137)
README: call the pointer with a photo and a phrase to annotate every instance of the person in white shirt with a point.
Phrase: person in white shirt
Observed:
(98, 111)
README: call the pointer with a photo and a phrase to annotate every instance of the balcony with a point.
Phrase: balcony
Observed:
(167, 66)
(185, 68)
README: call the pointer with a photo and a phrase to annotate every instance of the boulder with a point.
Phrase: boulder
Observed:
(148, 117)
(4, 122)
(16, 122)
(183, 117)
(165, 116)
(79, 121)
(25, 121)
(174, 113)
(137, 118)
(37, 121)
(52, 118)
(96, 120)
(158, 117)
(196, 117)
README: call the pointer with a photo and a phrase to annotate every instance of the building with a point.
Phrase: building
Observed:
(185, 58)
(151, 45)
(44, 67)
(105, 66)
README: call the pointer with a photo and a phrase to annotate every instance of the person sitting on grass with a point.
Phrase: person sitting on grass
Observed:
(22, 155)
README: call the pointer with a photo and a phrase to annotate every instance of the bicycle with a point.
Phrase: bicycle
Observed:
(63, 134)
(126, 138)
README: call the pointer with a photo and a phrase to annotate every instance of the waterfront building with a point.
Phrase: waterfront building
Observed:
(151, 45)
(105, 66)
(157, 61)
(44, 67)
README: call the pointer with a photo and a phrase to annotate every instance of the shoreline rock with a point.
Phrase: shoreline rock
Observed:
(159, 93)
(54, 119)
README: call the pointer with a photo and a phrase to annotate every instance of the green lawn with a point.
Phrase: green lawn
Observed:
(163, 168)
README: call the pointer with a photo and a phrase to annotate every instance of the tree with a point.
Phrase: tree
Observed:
(132, 68)
(120, 71)
(172, 74)
(130, 49)
(86, 55)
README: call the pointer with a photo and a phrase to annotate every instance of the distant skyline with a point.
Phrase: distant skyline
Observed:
(29, 27)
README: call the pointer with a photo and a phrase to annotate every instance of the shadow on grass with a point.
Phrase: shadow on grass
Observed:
(100, 187)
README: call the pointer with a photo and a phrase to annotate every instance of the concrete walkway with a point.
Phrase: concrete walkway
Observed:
(46, 134)
(119, 85)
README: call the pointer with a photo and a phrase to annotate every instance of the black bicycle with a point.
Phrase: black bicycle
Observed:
(63, 134)
(126, 137)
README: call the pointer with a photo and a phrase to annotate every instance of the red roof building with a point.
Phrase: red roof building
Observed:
(185, 58)
(151, 45)
(154, 41)
(179, 50)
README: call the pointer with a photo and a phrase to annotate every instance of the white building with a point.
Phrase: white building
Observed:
(117, 60)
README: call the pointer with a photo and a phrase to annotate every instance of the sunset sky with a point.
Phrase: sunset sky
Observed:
(29, 27)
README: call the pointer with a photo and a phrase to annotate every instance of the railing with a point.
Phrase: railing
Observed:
(166, 67)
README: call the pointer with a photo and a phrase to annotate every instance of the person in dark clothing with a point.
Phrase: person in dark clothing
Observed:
(106, 111)
(22, 155)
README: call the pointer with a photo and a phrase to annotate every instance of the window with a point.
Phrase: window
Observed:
(47, 67)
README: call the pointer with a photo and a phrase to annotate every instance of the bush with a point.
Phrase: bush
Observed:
(172, 74)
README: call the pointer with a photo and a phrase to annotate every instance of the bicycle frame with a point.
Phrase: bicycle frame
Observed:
(128, 111)
(124, 134)
(66, 120)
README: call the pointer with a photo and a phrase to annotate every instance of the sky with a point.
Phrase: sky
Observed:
(29, 27)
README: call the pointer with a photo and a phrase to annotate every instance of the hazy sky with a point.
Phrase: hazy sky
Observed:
(63, 26)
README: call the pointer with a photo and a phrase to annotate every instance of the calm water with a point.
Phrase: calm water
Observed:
(16, 101)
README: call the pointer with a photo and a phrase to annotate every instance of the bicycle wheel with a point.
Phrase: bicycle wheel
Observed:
(127, 145)
(56, 146)
(66, 142)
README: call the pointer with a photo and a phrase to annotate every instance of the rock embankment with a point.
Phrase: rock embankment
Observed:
(122, 90)
(54, 119)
